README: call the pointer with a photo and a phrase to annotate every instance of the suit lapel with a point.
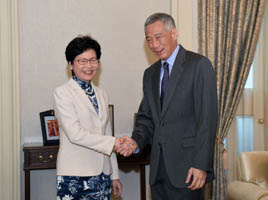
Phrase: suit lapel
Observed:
(155, 87)
(176, 73)
(82, 95)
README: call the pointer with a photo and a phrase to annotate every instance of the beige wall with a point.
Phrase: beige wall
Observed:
(45, 29)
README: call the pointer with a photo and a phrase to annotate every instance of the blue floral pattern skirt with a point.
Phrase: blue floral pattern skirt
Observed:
(84, 188)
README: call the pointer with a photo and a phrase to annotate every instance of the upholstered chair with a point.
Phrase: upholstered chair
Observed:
(253, 177)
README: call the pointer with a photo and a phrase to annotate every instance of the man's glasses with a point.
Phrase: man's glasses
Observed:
(92, 61)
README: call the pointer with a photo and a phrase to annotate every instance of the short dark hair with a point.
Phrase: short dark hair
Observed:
(166, 19)
(80, 44)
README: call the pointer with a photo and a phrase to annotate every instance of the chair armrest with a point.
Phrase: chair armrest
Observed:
(240, 190)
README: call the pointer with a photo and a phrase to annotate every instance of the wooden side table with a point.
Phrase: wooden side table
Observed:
(142, 160)
(39, 157)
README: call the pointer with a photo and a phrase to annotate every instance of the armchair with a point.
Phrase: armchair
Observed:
(253, 174)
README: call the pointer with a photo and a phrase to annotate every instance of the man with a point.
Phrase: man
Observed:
(178, 113)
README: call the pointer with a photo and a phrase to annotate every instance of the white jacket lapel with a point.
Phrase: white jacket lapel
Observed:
(82, 95)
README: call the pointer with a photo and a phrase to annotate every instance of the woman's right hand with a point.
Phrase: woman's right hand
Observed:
(117, 143)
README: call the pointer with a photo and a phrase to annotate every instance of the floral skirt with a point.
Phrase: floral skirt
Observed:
(84, 188)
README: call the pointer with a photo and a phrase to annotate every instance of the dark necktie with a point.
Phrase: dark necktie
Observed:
(164, 83)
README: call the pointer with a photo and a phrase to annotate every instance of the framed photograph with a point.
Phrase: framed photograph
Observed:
(111, 111)
(50, 128)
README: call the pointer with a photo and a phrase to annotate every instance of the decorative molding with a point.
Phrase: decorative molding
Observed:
(259, 94)
(265, 60)
(9, 101)
(184, 13)
(174, 10)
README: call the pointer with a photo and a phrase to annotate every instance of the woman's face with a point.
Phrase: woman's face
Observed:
(86, 65)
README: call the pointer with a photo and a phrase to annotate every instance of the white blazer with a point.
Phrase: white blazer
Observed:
(86, 143)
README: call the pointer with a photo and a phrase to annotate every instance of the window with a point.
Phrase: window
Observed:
(244, 119)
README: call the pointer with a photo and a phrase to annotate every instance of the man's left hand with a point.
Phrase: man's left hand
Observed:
(199, 178)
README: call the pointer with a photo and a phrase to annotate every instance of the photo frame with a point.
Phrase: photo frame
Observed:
(49, 127)
(111, 112)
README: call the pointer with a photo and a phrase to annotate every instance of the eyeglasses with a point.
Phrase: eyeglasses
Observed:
(92, 61)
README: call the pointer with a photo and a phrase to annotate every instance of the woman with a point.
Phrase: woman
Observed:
(86, 164)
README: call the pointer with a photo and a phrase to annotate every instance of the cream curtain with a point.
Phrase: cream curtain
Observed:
(228, 34)
(9, 102)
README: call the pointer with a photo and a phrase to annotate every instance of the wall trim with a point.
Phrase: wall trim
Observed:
(9, 101)
(185, 15)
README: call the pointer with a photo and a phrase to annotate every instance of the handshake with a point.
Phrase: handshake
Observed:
(125, 146)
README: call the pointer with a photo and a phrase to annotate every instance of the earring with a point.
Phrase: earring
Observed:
(71, 67)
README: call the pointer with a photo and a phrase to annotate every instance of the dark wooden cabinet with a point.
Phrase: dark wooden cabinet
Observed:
(39, 157)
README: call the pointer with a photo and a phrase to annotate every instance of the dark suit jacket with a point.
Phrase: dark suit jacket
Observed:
(186, 126)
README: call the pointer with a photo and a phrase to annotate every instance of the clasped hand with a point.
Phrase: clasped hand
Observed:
(125, 146)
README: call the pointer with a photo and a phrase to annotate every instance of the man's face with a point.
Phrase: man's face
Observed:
(161, 41)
